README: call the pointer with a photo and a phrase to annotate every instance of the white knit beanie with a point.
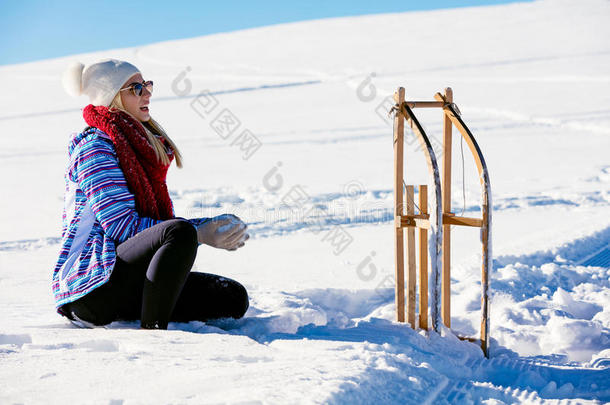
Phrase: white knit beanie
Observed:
(101, 81)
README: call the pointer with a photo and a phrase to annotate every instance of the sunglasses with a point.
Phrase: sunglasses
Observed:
(137, 88)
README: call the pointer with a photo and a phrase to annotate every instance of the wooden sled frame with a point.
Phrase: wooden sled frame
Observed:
(438, 222)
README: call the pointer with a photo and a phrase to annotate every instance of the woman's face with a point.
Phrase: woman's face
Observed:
(136, 105)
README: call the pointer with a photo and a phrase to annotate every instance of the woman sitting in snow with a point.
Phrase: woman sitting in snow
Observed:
(124, 254)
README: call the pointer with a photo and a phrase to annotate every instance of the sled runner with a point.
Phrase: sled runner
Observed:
(437, 222)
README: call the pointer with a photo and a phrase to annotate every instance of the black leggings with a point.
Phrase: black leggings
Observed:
(152, 281)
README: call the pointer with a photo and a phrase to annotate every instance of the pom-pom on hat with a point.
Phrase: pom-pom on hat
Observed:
(100, 81)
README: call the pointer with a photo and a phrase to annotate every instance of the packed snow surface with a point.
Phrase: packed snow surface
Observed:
(532, 81)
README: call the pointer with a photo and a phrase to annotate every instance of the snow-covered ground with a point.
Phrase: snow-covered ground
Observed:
(532, 80)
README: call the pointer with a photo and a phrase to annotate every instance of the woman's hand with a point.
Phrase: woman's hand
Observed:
(225, 231)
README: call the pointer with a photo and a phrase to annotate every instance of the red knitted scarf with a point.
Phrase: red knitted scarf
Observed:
(144, 173)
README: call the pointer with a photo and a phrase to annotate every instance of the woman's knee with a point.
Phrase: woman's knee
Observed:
(181, 230)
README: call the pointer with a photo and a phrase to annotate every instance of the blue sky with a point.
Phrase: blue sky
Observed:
(35, 30)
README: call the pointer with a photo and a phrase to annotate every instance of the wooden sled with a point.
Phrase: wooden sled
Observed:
(438, 222)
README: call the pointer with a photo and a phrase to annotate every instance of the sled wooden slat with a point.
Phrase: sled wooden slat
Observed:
(417, 220)
(399, 125)
(423, 261)
(447, 139)
(424, 104)
(411, 270)
(464, 221)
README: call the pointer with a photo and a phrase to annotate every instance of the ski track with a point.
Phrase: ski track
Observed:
(506, 62)
(169, 98)
(510, 121)
(268, 217)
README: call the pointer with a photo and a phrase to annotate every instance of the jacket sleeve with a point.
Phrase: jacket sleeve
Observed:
(96, 170)
(196, 222)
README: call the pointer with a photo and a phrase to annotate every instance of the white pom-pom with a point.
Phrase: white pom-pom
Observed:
(73, 79)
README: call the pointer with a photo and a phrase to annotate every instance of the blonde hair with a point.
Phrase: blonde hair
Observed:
(152, 128)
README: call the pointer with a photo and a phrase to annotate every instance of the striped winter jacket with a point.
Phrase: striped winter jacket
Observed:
(99, 213)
